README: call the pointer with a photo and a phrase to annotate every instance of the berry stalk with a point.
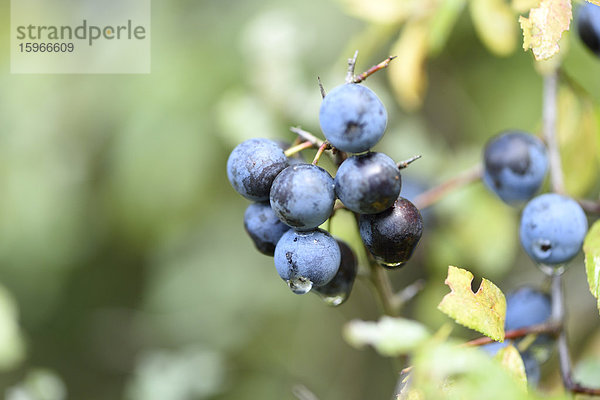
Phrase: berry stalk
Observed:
(557, 182)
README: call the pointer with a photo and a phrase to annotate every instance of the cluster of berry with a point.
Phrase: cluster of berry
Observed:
(553, 226)
(293, 198)
(552, 231)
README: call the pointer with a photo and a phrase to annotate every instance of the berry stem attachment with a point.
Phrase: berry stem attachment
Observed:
(372, 70)
(351, 67)
(381, 283)
(549, 120)
(322, 148)
(406, 163)
(436, 193)
(383, 287)
(336, 155)
(298, 148)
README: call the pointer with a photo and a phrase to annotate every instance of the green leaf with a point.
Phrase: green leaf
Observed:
(544, 27)
(591, 248)
(512, 362)
(442, 22)
(495, 24)
(448, 371)
(390, 336)
(483, 311)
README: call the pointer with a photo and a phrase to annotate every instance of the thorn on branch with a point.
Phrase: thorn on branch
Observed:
(321, 88)
(373, 69)
(351, 67)
(406, 163)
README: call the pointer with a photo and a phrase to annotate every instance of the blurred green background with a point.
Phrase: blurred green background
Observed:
(125, 269)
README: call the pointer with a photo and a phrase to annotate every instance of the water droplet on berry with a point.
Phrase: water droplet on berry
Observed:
(300, 285)
(388, 264)
(334, 300)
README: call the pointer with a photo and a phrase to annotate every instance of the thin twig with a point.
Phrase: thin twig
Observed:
(373, 69)
(435, 194)
(383, 286)
(406, 163)
(549, 120)
(564, 356)
(558, 314)
(336, 155)
(590, 206)
(549, 117)
(321, 88)
(550, 327)
(381, 282)
(351, 67)
(322, 148)
(307, 136)
(298, 148)
(407, 294)
(577, 388)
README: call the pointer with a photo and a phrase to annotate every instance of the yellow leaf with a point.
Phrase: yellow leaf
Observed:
(596, 2)
(495, 24)
(484, 311)
(512, 362)
(382, 11)
(544, 27)
(591, 248)
(408, 76)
